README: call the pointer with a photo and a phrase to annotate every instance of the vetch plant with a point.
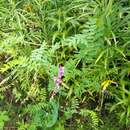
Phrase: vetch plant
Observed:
(58, 81)
(89, 40)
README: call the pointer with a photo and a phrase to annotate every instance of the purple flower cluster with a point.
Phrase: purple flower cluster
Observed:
(61, 72)
(58, 80)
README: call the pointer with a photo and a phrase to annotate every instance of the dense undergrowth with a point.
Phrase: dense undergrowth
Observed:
(65, 64)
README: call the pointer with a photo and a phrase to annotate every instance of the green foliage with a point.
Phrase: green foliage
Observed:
(3, 118)
(93, 117)
(90, 39)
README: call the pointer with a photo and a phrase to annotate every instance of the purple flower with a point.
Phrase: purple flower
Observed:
(61, 72)
(58, 81)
